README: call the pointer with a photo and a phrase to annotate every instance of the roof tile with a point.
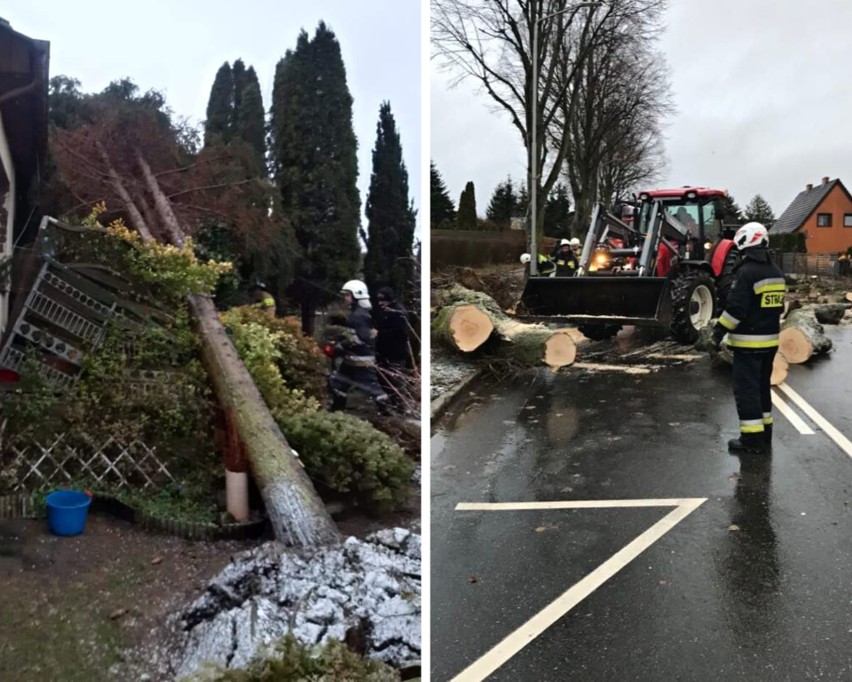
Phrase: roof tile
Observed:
(802, 206)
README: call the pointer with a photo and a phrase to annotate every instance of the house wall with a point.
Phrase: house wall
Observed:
(830, 239)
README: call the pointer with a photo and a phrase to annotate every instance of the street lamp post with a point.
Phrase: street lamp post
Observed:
(534, 130)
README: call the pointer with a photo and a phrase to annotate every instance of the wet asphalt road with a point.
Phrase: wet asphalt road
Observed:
(771, 600)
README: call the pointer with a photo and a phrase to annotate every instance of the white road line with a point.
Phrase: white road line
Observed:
(793, 418)
(835, 435)
(575, 504)
(513, 643)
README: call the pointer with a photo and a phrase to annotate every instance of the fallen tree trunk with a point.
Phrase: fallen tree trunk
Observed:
(724, 355)
(831, 313)
(802, 336)
(298, 515)
(296, 511)
(468, 319)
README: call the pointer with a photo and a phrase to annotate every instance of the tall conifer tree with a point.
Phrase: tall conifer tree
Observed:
(250, 123)
(502, 206)
(220, 106)
(238, 70)
(315, 166)
(442, 210)
(467, 208)
(760, 211)
(390, 232)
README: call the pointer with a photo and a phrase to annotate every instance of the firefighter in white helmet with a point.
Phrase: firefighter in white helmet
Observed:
(751, 320)
(565, 258)
(356, 350)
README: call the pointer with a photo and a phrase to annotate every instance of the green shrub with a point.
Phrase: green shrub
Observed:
(300, 362)
(291, 661)
(260, 350)
(349, 456)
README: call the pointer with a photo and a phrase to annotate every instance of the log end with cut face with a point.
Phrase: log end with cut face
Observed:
(849, 296)
(795, 346)
(780, 368)
(559, 350)
(470, 327)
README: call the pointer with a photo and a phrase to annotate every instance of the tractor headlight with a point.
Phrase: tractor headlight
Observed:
(708, 246)
(601, 259)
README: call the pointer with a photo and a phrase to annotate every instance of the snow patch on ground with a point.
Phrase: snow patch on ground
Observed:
(364, 591)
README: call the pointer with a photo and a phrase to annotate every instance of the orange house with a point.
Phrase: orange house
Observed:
(823, 213)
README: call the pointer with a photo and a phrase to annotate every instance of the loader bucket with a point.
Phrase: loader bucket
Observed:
(620, 300)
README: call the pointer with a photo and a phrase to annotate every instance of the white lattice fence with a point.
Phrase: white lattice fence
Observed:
(38, 466)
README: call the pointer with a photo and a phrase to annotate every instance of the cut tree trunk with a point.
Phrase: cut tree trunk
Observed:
(468, 319)
(464, 327)
(780, 369)
(831, 313)
(802, 336)
(849, 296)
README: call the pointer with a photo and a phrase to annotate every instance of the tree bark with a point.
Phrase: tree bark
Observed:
(298, 515)
(162, 204)
(136, 219)
(468, 319)
(802, 336)
(831, 313)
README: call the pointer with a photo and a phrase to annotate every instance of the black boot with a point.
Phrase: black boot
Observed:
(748, 444)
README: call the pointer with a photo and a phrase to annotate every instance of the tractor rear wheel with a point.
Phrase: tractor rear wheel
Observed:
(599, 332)
(693, 305)
(725, 280)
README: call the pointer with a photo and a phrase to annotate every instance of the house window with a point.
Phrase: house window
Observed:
(847, 220)
(823, 219)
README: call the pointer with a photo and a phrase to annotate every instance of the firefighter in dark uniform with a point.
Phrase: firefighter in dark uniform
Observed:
(565, 259)
(355, 349)
(751, 320)
(546, 267)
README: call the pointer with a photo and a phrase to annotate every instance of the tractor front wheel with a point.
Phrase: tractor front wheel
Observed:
(693, 305)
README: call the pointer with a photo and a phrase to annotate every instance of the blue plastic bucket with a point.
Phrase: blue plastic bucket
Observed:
(67, 511)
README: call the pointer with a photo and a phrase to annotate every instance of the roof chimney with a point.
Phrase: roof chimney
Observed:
(808, 187)
(825, 180)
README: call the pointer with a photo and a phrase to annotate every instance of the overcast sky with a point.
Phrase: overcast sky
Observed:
(762, 90)
(177, 47)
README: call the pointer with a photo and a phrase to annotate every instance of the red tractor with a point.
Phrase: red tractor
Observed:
(669, 265)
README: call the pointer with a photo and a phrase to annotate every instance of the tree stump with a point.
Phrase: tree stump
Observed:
(802, 336)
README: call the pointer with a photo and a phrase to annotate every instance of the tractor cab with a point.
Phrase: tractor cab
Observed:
(689, 220)
(659, 268)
